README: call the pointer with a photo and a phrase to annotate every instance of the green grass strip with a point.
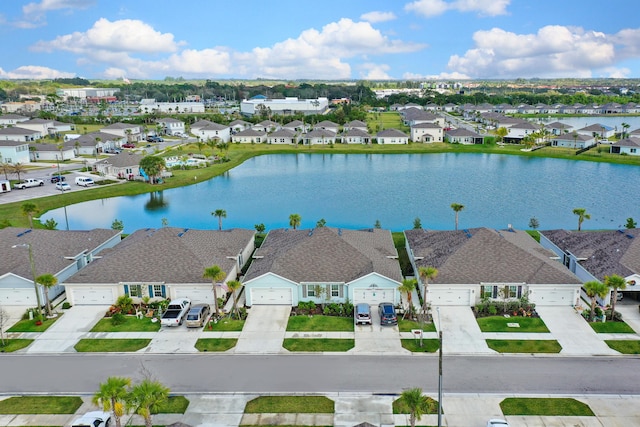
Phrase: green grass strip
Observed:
(290, 405)
(319, 344)
(40, 405)
(611, 328)
(561, 407)
(131, 324)
(174, 405)
(432, 407)
(11, 345)
(106, 345)
(225, 325)
(320, 323)
(525, 346)
(30, 325)
(413, 345)
(408, 325)
(501, 324)
(215, 344)
(624, 346)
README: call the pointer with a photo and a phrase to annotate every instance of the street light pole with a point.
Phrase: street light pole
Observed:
(439, 370)
(32, 264)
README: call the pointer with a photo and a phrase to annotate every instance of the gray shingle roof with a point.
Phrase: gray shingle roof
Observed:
(484, 255)
(168, 254)
(123, 160)
(326, 254)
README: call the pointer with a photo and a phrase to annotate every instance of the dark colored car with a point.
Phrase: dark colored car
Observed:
(57, 178)
(387, 314)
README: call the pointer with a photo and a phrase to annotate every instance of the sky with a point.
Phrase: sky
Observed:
(319, 40)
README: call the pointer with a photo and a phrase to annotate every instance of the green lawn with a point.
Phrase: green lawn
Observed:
(319, 323)
(216, 344)
(432, 407)
(561, 407)
(131, 324)
(413, 345)
(30, 325)
(611, 328)
(100, 345)
(524, 346)
(290, 405)
(319, 344)
(11, 345)
(500, 324)
(408, 325)
(624, 346)
(40, 405)
(175, 405)
(225, 325)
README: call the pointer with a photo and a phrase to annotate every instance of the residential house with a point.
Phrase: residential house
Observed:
(133, 133)
(463, 136)
(558, 128)
(483, 263)
(11, 119)
(13, 152)
(573, 140)
(266, 126)
(319, 136)
(355, 124)
(90, 144)
(213, 132)
(323, 265)
(57, 252)
(593, 255)
(238, 125)
(297, 126)
(46, 127)
(426, 132)
(630, 146)
(171, 126)
(283, 136)
(355, 136)
(162, 263)
(21, 106)
(125, 165)
(19, 134)
(51, 152)
(249, 136)
(597, 130)
(392, 136)
(327, 125)
(518, 130)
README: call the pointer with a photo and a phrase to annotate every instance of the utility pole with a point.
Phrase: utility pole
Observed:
(439, 370)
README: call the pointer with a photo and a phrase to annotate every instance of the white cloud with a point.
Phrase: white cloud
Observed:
(553, 51)
(48, 5)
(378, 16)
(125, 35)
(34, 72)
(431, 8)
(441, 76)
(375, 72)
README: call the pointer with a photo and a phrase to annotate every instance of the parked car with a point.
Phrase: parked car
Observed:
(496, 422)
(84, 181)
(28, 183)
(387, 314)
(362, 313)
(128, 145)
(57, 178)
(93, 419)
(176, 312)
(197, 315)
(62, 186)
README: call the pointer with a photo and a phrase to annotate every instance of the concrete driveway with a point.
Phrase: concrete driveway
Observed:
(460, 331)
(264, 330)
(377, 339)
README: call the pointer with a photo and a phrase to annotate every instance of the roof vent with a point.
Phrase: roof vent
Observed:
(339, 231)
(630, 236)
(180, 234)
(311, 232)
(466, 231)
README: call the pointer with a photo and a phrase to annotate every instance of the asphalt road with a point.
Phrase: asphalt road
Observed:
(198, 373)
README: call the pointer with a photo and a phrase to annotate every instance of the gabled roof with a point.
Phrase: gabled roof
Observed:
(293, 124)
(238, 122)
(602, 253)
(169, 120)
(201, 123)
(320, 133)
(50, 249)
(356, 124)
(357, 133)
(484, 255)
(573, 137)
(284, 132)
(123, 160)
(427, 125)
(11, 143)
(627, 142)
(391, 132)
(558, 125)
(597, 127)
(251, 132)
(213, 126)
(120, 125)
(17, 131)
(168, 254)
(91, 139)
(461, 132)
(326, 254)
(326, 124)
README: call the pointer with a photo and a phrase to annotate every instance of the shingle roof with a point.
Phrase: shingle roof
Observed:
(326, 254)
(49, 247)
(391, 133)
(168, 254)
(485, 255)
(123, 160)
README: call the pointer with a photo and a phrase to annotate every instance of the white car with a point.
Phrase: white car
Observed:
(62, 186)
(497, 422)
(93, 419)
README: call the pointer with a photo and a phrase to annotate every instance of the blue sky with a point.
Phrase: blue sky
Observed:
(302, 39)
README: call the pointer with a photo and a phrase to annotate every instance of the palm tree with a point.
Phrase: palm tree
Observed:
(219, 213)
(426, 274)
(146, 397)
(457, 208)
(233, 286)
(582, 215)
(614, 282)
(18, 169)
(153, 167)
(6, 169)
(407, 287)
(48, 281)
(625, 126)
(112, 396)
(29, 210)
(415, 403)
(216, 274)
(595, 289)
(294, 221)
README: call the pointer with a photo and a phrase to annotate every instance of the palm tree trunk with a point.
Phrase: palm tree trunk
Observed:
(613, 302)
(215, 299)
(592, 315)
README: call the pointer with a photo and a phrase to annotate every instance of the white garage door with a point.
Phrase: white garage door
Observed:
(92, 296)
(271, 296)
(553, 297)
(374, 296)
(199, 295)
(18, 296)
(450, 296)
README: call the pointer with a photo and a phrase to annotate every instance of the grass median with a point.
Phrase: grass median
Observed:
(508, 324)
(320, 323)
(28, 325)
(14, 344)
(611, 328)
(624, 346)
(40, 405)
(129, 324)
(107, 345)
(430, 345)
(215, 344)
(525, 346)
(290, 405)
(559, 407)
(319, 344)
(225, 325)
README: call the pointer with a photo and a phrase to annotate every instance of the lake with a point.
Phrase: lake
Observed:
(355, 190)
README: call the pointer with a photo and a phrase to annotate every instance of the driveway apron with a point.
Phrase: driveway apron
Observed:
(377, 339)
(460, 331)
(174, 339)
(264, 330)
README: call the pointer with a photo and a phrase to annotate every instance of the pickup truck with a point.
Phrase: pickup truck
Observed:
(93, 419)
(29, 182)
(176, 312)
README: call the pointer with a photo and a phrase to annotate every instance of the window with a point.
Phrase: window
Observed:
(135, 291)
(157, 291)
(311, 291)
(335, 290)
(486, 292)
(512, 292)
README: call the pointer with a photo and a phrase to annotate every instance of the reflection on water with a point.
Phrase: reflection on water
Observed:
(156, 202)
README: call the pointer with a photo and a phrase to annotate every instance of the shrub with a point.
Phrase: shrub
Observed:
(124, 303)
(492, 309)
(118, 319)
(66, 305)
(617, 316)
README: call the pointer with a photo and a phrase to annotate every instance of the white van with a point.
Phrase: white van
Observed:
(84, 181)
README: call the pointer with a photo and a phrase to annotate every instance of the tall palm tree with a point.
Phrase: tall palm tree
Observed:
(219, 213)
(294, 221)
(112, 396)
(407, 287)
(415, 403)
(595, 289)
(625, 126)
(48, 281)
(29, 209)
(614, 282)
(457, 207)
(234, 286)
(146, 397)
(582, 215)
(216, 274)
(426, 274)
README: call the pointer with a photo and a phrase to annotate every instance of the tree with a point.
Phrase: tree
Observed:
(50, 224)
(6, 169)
(29, 210)
(117, 225)
(153, 167)
(112, 396)
(630, 224)
(377, 224)
(145, 398)
(321, 223)
(415, 403)
(234, 286)
(216, 274)
(407, 287)
(625, 126)
(18, 169)
(457, 208)
(48, 281)
(219, 213)
(259, 228)
(501, 133)
(582, 215)
(534, 223)
(417, 224)
(614, 282)
(426, 274)
(595, 289)
(294, 221)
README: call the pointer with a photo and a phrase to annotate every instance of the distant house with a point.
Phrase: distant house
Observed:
(266, 126)
(297, 126)
(46, 127)
(12, 119)
(463, 136)
(392, 136)
(171, 126)
(96, 142)
(328, 125)
(125, 165)
(355, 124)
(238, 125)
(324, 265)
(426, 132)
(319, 136)
(283, 136)
(249, 136)
(573, 140)
(597, 130)
(213, 132)
(51, 152)
(630, 146)
(19, 134)
(355, 136)
(132, 133)
(13, 152)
